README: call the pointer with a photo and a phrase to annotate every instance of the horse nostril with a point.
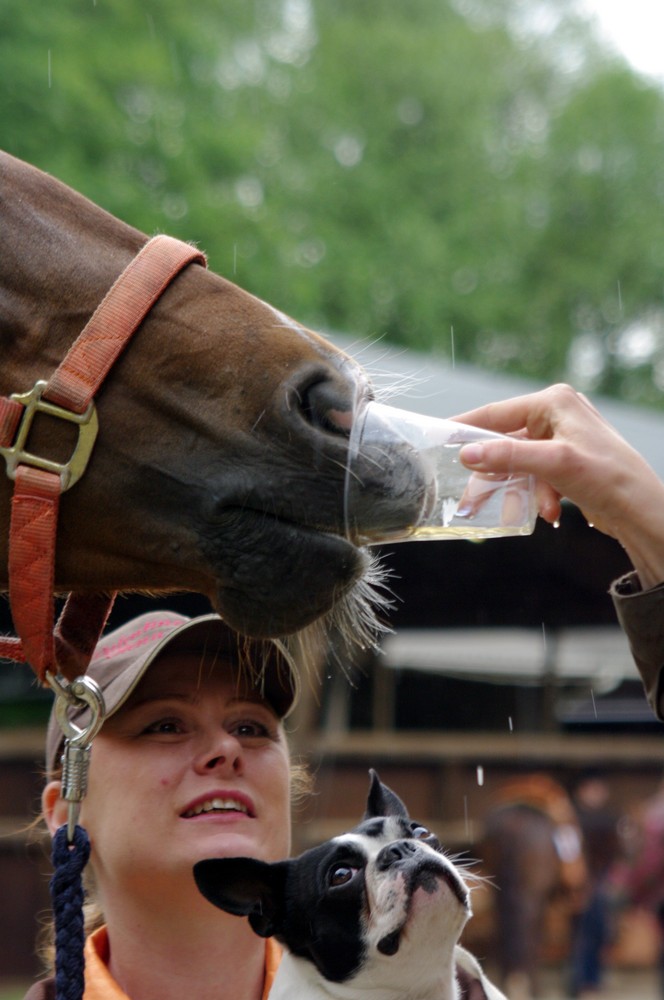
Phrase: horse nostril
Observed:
(341, 420)
(324, 406)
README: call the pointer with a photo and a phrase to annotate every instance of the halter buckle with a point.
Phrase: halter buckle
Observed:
(69, 472)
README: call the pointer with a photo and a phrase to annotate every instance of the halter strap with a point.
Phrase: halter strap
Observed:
(69, 394)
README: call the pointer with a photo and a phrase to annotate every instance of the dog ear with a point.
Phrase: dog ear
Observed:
(245, 887)
(382, 801)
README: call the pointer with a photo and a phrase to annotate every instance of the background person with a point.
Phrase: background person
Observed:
(592, 926)
(641, 879)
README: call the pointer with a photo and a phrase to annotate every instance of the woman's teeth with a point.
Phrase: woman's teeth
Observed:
(216, 805)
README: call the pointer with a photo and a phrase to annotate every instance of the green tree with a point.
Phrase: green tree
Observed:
(454, 174)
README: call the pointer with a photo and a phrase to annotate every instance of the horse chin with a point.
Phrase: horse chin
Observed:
(286, 577)
(354, 624)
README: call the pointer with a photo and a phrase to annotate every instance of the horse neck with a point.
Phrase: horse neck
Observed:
(61, 253)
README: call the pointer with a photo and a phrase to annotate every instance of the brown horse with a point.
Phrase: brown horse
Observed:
(532, 852)
(219, 464)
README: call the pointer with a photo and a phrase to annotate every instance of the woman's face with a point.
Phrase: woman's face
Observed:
(189, 768)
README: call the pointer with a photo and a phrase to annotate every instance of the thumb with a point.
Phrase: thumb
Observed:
(516, 455)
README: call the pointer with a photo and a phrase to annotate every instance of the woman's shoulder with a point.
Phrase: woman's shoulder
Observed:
(42, 990)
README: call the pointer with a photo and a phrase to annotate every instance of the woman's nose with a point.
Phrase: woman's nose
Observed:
(222, 752)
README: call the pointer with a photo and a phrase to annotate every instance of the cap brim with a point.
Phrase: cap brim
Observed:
(274, 674)
(263, 664)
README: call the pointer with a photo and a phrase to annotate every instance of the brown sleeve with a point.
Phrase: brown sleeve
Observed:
(641, 615)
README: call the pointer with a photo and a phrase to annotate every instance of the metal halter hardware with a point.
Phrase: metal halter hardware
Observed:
(69, 472)
(84, 692)
(38, 482)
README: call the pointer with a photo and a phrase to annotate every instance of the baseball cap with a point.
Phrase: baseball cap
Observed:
(122, 657)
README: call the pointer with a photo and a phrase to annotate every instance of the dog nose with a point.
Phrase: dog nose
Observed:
(399, 850)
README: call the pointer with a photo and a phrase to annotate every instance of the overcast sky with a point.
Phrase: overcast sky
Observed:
(636, 27)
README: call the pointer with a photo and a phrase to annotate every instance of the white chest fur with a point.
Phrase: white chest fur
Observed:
(298, 979)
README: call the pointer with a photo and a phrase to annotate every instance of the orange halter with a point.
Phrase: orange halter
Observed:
(69, 395)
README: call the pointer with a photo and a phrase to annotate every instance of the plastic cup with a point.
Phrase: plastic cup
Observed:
(405, 482)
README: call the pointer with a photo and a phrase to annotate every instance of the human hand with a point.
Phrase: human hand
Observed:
(561, 438)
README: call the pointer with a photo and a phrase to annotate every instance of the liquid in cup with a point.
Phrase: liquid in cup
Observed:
(447, 500)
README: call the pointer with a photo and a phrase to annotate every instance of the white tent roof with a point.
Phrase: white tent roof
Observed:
(596, 656)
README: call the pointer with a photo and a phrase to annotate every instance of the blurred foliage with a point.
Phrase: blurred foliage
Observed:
(467, 175)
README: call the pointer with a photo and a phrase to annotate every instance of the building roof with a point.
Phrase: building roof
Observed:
(593, 655)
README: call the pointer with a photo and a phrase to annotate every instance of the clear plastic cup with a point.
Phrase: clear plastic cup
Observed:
(405, 482)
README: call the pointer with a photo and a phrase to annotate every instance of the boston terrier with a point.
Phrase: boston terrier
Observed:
(375, 913)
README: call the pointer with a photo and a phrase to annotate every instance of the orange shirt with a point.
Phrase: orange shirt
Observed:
(100, 985)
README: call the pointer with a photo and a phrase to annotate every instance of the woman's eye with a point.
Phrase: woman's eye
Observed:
(341, 874)
(251, 730)
(164, 726)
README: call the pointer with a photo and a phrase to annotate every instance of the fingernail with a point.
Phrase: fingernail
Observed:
(472, 454)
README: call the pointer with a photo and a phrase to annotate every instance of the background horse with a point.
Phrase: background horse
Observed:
(219, 464)
(531, 851)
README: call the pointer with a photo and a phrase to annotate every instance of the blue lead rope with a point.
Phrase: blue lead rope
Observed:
(66, 886)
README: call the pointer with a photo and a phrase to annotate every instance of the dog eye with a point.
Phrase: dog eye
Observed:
(419, 832)
(341, 874)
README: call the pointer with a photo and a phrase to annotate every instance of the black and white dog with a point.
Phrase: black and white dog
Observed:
(376, 912)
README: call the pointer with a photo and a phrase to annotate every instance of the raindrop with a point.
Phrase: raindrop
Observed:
(592, 696)
(480, 775)
(465, 280)
(410, 111)
(510, 723)
(174, 206)
(249, 192)
(309, 253)
(556, 523)
(348, 150)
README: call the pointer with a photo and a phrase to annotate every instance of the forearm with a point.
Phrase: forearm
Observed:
(640, 529)
(560, 438)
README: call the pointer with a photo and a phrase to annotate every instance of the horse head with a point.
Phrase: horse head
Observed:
(220, 461)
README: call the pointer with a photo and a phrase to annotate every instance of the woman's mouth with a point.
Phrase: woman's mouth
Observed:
(217, 804)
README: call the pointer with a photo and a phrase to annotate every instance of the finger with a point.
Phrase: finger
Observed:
(504, 417)
(517, 455)
(548, 501)
(554, 462)
(503, 455)
(538, 412)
